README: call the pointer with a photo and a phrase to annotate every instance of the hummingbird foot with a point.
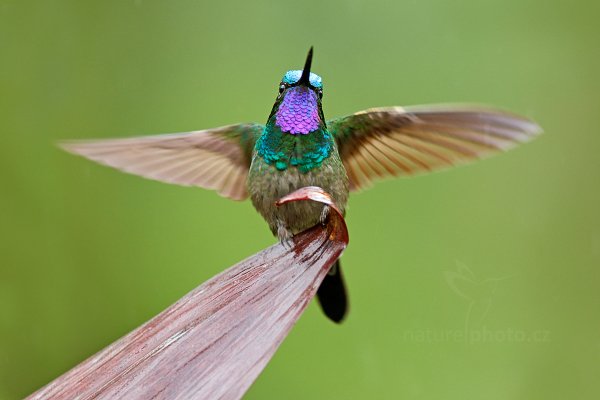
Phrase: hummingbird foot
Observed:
(324, 215)
(288, 243)
(283, 233)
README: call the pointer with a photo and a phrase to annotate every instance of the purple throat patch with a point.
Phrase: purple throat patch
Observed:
(298, 112)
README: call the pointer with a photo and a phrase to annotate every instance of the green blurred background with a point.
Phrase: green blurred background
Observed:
(477, 283)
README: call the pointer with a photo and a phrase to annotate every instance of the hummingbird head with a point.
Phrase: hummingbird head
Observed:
(297, 109)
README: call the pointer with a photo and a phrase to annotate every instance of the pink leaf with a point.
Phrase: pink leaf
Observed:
(216, 340)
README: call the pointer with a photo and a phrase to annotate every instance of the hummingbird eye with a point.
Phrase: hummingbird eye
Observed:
(281, 88)
(320, 92)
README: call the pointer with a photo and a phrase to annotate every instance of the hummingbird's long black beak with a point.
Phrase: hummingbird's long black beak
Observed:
(305, 78)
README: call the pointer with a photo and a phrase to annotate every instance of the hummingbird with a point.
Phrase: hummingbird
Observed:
(298, 147)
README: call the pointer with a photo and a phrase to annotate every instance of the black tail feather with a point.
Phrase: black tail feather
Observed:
(332, 294)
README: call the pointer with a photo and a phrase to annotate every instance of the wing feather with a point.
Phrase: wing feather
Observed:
(383, 142)
(216, 159)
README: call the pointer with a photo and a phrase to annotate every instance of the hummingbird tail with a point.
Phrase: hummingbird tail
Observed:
(332, 294)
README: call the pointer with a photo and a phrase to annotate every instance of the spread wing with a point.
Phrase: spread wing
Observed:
(216, 159)
(395, 141)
